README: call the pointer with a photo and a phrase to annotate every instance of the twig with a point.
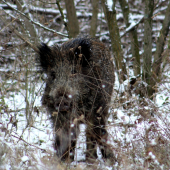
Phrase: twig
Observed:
(36, 23)
(62, 15)
(27, 142)
(20, 35)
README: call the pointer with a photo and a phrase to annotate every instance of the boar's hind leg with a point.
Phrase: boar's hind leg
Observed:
(102, 137)
(96, 133)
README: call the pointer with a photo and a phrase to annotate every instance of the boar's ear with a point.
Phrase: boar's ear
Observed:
(46, 57)
(84, 48)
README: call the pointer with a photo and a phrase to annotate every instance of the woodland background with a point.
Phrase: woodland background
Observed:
(137, 34)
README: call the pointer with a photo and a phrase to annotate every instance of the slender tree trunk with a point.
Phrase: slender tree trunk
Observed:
(147, 56)
(93, 24)
(73, 25)
(160, 44)
(110, 16)
(133, 37)
(158, 58)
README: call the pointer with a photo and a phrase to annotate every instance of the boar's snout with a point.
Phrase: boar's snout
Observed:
(63, 102)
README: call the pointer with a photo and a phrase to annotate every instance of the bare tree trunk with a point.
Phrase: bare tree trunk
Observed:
(158, 58)
(133, 37)
(73, 25)
(160, 44)
(147, 56)
(93, 24)
(110, 16)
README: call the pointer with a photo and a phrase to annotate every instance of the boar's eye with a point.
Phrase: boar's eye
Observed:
(73, 71)
(53, 75)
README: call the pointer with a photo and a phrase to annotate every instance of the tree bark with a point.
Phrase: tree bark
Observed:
(147, 56)
(73, 25)
(93, 23)
(133, 37)
(110, 16)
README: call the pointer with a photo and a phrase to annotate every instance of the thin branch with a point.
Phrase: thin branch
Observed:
(29, 27)
(20, 35)
(48, 11)
(27, 142)
(62, 15)
(36, 23)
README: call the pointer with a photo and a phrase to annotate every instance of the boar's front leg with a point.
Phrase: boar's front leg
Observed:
(91, 151)
(65, 141)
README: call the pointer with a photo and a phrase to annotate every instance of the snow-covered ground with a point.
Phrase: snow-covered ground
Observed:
(138, 128)
(130, 130)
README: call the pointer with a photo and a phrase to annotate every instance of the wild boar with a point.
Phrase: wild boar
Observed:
(79, 85)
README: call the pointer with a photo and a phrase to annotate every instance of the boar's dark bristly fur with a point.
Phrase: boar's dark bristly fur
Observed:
(80, 78)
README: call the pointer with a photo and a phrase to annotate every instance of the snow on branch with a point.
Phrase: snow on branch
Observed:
(132, 26)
